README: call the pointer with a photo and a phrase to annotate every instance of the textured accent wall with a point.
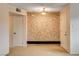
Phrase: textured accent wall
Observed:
(43, 27)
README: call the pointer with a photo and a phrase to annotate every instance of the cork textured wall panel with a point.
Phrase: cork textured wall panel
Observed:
(43, 27)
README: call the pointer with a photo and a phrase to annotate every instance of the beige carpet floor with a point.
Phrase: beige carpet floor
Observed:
(38, 50)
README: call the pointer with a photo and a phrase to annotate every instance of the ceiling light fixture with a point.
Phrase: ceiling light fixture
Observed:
(43, 12)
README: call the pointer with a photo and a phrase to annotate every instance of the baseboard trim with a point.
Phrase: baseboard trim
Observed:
(43, 42)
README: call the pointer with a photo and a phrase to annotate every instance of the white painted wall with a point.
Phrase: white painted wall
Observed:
(4, 29)
(74, 29)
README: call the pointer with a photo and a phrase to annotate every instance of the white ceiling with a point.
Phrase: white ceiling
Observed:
(37, 7)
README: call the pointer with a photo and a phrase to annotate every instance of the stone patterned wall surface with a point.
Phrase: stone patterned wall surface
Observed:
(43, 27)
